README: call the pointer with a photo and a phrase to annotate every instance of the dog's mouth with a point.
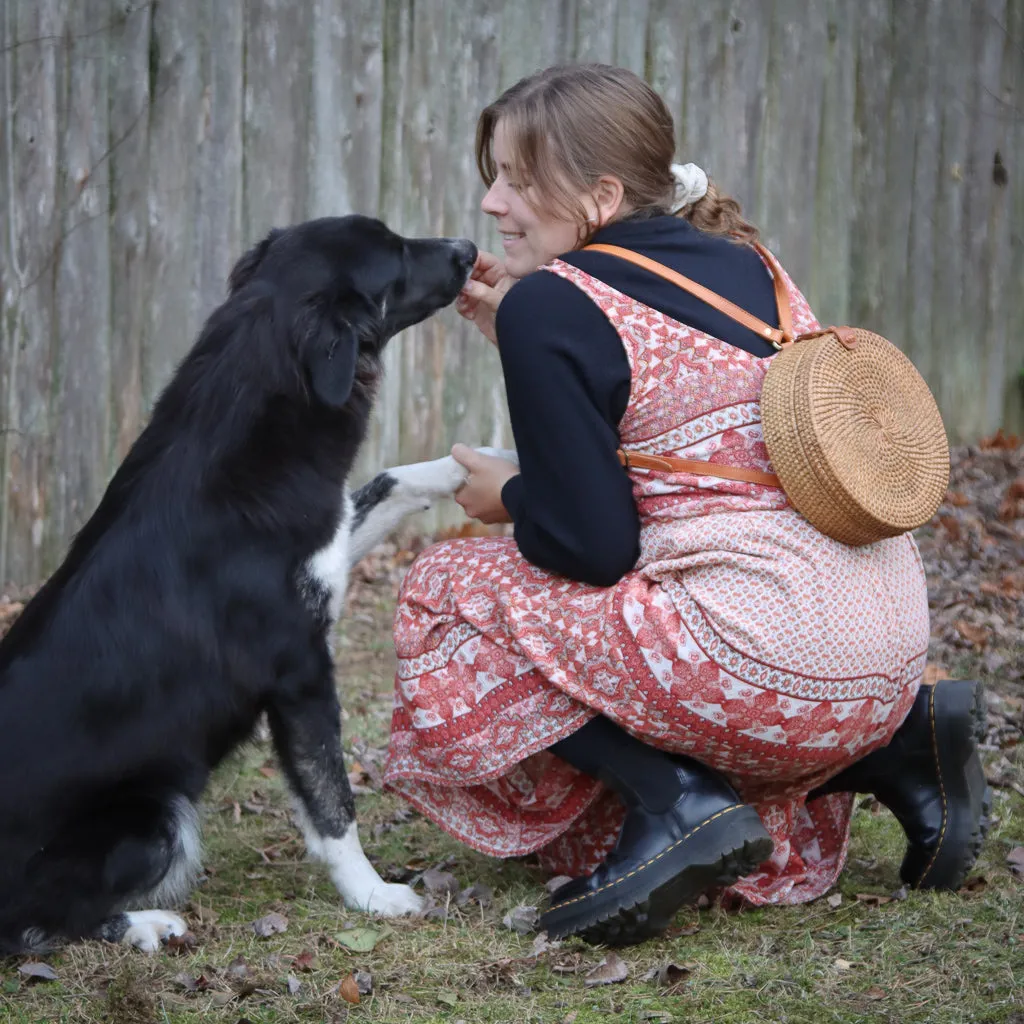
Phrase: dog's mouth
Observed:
(436, 270)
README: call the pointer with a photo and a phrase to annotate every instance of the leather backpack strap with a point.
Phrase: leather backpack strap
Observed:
(671, 464)
(778, 337)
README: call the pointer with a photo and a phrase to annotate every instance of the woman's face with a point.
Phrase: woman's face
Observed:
(531, 237)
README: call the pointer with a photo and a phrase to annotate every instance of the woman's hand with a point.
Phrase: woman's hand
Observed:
(480, 495)
(480, 297)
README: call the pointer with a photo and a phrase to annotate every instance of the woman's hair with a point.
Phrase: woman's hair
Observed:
(568, 125)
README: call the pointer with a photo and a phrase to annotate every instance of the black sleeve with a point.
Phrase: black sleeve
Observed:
(567, 380)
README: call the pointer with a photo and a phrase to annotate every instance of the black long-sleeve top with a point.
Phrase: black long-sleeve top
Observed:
(567, 380)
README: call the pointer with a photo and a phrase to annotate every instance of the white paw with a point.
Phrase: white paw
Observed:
(440, 478)
(148, 928)
(393, 900)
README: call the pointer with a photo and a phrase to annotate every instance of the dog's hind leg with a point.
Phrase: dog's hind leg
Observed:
(305, 723)
(179, 850)
(382, 504)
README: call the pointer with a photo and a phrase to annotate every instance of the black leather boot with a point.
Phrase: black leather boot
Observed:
(930, 776)
(685, 831)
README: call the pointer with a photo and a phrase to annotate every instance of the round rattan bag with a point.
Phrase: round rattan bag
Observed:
(852, 431)
(854, 435)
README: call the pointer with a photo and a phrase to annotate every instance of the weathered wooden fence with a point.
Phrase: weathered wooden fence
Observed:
(880, 144)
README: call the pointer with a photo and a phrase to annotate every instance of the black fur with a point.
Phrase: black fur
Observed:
(184, 608)
(370, 495)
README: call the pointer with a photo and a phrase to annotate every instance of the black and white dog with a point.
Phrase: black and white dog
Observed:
(202, 592)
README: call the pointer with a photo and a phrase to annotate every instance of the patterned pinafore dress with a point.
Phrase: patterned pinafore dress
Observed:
(743, 638)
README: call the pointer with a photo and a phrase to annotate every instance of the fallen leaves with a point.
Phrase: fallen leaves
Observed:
(1012, 506)
(610, 971)
(270, 924)
(1015, 860)
(521, 919)
(349, 990)
(359, 940)
(671, 976)
(35, 970)
(977, 635)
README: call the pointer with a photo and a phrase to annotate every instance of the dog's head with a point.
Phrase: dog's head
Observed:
(343, 286)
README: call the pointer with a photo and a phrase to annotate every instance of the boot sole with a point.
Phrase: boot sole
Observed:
(966, 797)
(642, 903)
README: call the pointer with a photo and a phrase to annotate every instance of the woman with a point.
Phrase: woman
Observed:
(667, 682)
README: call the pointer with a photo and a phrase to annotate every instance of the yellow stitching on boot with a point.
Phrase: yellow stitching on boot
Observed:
(647, 864)
(942, 789)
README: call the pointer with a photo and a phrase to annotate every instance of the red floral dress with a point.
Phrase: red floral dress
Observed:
(743, 637)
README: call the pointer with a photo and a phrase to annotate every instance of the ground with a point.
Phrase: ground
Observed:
(867, 952)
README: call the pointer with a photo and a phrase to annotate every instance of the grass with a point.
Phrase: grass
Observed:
(928, 958)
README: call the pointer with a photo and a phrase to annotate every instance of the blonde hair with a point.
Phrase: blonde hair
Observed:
(568, 125)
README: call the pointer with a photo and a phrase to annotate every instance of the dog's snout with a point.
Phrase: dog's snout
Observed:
(465, 251)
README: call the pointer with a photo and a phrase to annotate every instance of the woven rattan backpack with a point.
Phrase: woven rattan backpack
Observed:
(852, 431)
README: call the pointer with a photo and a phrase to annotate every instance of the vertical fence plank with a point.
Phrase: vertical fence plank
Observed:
(32, 39)
(175, 106)
(81, 384)
(215, 205)
(129, 221)
(278, 80)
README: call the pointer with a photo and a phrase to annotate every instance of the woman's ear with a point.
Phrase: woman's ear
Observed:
(606, 200)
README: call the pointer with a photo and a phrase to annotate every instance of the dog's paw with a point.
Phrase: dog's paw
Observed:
(439, 478)
(148, 928)
(394, 900)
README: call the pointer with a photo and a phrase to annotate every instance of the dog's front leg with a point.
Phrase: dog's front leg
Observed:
(305, 724)
(382, 504)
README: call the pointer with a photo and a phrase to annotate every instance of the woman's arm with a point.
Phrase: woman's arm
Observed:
(567, 381)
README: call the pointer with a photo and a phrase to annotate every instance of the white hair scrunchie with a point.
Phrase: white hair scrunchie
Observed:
(691, 185)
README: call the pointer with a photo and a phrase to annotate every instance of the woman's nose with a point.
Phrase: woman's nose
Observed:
(492, 204)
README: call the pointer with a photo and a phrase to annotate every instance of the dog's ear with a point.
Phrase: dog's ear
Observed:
(243, 270)
(329, 348)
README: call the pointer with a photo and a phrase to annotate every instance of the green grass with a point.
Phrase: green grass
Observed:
(928, 958)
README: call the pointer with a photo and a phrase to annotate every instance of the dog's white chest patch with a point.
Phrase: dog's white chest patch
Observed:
(328, 568)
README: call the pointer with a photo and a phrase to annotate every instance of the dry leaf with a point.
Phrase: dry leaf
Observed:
(541, 944)
(835, 900)
(957, 499)
(179, 945)
(977, 635)
(440, 883)
(521, 919)
(37, 971)
(999, 442)
(1015, 858)
(873, 899)
(1012, 506)
(304, 961)
(976, 883)
(952, 527)
(842, 965)
(349, 990)
(876, 993)
(238, 968)
(669, 975)
(478, 893)
(933, 673)
(271, 924)
(610, 971)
